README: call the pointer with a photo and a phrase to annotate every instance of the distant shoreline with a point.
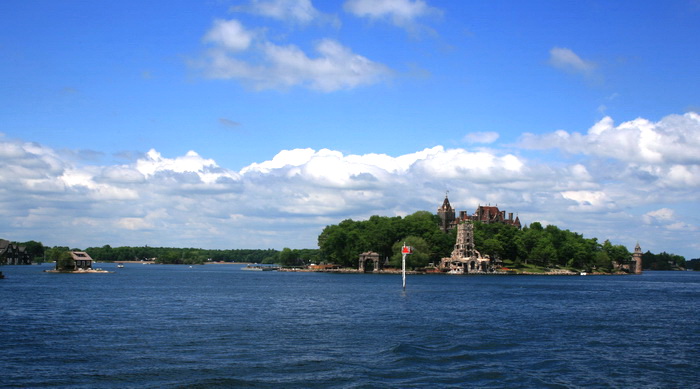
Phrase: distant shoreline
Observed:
(556, 272)
(204, 263)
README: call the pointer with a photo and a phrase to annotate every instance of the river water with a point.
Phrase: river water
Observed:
(153, 326)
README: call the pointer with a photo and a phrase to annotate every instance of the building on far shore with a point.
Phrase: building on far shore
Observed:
(13, 254)
(635, 265)
(486, 214)
(81, 262)
(631, 265)
(370, 256)
(465, 258)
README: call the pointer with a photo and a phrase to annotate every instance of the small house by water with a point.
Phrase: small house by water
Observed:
(82, 260)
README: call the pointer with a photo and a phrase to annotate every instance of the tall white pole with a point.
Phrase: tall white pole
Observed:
(403, 270)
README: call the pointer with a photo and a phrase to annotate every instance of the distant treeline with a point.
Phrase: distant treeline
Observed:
(172, 255)
(665, 261)
(343, 243)
(543, 246)
(38, 252)
(693, 264)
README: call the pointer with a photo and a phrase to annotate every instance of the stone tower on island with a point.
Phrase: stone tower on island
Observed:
(636, 265)
(465, 257)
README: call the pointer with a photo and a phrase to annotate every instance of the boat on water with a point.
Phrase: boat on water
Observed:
(259, 268)
(120, 265)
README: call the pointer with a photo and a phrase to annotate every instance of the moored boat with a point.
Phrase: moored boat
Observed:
(259, 268)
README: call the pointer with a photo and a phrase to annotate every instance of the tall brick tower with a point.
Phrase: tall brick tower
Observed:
(446, 214)
(637, 260)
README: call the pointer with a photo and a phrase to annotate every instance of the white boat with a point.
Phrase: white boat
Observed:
(259, 268)
(120, 265)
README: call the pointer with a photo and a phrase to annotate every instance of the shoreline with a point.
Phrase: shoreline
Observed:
(90, 271)
(554, 272)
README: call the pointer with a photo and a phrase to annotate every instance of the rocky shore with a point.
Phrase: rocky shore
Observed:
(79, 271)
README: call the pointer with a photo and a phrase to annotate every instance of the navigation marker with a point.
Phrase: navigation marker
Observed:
(405, 250)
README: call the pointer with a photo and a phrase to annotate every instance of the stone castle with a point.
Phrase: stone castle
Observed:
(485, 214)
(465, 258)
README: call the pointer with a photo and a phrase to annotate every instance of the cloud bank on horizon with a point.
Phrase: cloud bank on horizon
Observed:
(610, 188)
(256, 123)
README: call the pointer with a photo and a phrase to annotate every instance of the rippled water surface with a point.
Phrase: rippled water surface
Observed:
(150, 326)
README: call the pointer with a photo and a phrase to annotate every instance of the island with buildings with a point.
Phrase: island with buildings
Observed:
(486, 241)
(75, 262)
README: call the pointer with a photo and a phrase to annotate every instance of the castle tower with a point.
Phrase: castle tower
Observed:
(464, 246)
(446, 214)
(637, 260)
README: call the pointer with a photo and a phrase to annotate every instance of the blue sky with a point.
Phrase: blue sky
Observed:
(253, 124)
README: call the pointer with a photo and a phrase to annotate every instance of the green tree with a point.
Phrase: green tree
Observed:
(64, 261)
(618, 254)
(693, 264)
(544, 253)
(493, 248)
(602, 261)
(287, 257)
(34, 249)
(55, 253)
(420, 256)
(337, 244)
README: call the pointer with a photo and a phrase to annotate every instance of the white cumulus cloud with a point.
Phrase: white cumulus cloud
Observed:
(241, 55)
(666, 152)
(663, 214)
(229, 34)
(191, 201)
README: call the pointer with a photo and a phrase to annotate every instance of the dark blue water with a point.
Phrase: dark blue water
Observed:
(218, 326)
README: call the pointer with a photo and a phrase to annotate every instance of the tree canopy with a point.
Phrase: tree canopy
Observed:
(343, 243)
(663, 261)
(547, 246)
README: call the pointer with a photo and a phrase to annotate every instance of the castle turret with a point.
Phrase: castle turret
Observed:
(446, 214)
(636, 265)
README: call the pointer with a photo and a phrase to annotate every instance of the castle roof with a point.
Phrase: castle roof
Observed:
(446, 204)
(80, 255)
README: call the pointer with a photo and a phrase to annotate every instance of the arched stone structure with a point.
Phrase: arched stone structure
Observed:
(369, 256)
